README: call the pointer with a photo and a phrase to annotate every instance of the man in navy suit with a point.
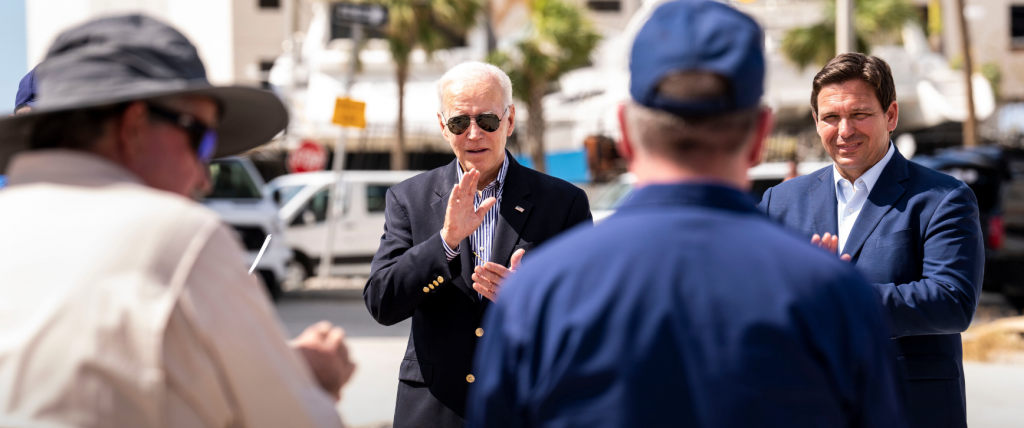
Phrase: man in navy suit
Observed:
(452, 235)
(687, 307)
(913, 232)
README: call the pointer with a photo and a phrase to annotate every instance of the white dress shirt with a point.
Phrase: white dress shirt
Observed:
(126, 306)
(851, 196)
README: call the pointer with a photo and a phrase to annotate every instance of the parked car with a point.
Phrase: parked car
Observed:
(238, 198)
(762, 177)
(303, 209)
(987, 171)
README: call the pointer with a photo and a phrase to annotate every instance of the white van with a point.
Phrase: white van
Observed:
(303, 201)
(238, 198)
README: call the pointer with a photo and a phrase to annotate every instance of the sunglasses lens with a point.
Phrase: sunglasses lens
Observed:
(458, 124)
(207, 146)
(488, 122)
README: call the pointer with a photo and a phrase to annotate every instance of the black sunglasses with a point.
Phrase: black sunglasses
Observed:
(488, 122)
(202, 137)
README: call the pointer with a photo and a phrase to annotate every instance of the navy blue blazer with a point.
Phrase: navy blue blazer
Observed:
(687, 308)
(918, 240)
(411, 277)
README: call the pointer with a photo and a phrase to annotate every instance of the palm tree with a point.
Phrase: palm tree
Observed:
(875, 22)
(429, 25)
(561, 39)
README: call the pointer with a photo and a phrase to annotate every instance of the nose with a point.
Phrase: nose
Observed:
(474, 132)
(846, 129)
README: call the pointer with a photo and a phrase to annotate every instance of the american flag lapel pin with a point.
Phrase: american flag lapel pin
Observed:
(519, 208)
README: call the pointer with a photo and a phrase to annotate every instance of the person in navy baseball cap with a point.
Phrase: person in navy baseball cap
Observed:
(645, 320)
(26, 97)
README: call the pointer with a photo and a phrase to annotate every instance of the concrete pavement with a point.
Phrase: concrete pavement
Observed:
(995, 392)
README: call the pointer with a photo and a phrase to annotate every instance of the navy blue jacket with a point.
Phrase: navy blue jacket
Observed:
(918, 240)
(411, 277)
(685, 308)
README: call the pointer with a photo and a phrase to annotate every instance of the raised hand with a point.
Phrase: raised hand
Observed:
(487, 279)
(461, 218)
(830, 243)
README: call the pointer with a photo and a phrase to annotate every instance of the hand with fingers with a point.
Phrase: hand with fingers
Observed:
(323, 346)
(462, 218)
(830, 243)
(487, 279)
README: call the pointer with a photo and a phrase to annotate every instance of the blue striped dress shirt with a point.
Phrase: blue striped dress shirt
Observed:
(483, 236)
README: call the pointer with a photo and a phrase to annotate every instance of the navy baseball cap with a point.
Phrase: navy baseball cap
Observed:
(702, 36)
(26, 91)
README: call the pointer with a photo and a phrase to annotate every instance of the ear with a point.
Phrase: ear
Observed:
(892, 116)
(511, 119)
(440, 122)
(624, 145)
(129, 132)
(763, 128)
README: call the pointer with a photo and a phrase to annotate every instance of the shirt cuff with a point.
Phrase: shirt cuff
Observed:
(448, 252)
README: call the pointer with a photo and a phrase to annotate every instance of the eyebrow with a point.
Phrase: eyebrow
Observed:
(460, 113)
(853, 110)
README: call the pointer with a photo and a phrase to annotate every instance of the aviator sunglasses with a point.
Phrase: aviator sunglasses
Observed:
(488, 122)
(202, 137)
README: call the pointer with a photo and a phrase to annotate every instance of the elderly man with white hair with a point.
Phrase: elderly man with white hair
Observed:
(451, 237)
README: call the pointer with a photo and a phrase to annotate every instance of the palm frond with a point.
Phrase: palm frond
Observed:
(875, 22)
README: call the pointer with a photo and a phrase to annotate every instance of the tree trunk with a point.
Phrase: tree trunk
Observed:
(398, 157)
(535, 126)
(970, 126)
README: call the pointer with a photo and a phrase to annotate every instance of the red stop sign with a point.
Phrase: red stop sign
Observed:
(308, 157)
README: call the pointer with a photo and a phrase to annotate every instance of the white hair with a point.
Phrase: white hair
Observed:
(474, 70)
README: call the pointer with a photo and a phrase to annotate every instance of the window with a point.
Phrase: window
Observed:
(230, 180)
(375, 197)
(1017, 27)
(605, 5)
(315, 211)
(269, 4)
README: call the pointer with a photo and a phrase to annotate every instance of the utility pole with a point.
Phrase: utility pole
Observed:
(336, 191)
(845, 39)
(970, 128)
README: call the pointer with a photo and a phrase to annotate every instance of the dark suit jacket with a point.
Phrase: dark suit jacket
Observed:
(919, 241)
(686, 308)
(445, 319)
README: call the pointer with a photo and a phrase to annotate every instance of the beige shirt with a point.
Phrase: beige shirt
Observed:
(125, 306)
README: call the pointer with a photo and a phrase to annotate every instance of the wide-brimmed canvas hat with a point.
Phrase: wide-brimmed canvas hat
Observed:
(134, 57)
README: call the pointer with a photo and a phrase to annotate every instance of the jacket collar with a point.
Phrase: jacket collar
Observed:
(709, 195)
(881, 199)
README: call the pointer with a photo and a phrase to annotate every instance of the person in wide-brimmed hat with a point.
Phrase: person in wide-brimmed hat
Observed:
(125, 301)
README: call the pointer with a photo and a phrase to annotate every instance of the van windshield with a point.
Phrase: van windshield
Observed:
(289, 192)
(230, 180)
(612, 197)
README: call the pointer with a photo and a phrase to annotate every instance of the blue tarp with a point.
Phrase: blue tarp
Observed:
(569, 166)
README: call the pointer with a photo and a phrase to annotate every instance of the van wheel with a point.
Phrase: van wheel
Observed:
(295, 276)
(273, 287)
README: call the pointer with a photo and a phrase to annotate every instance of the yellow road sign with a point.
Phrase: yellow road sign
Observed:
(349, 112)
